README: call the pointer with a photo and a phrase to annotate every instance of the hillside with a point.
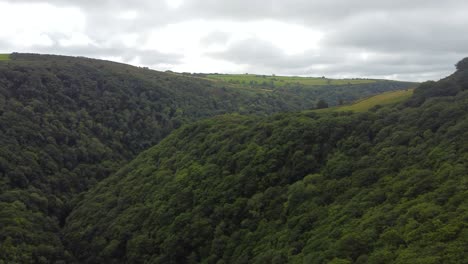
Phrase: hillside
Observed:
(4, 57)
(363, 105)
(312, 89)
(385, 186)
(66, 123)
(272, 81)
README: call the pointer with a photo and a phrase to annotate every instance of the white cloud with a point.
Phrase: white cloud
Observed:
(76, 39)
(392, 39)
(28, 25)
(190, 39)
(128, 15)
(174, 3)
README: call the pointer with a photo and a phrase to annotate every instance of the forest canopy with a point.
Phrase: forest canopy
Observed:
(103, 162)
(386, 186)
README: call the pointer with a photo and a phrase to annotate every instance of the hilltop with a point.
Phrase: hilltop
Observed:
(255, 80)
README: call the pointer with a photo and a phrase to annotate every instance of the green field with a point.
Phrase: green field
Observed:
(4, 57)
(280, 81)
(367, 103)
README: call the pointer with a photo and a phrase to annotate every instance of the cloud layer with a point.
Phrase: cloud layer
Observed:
(408, 40)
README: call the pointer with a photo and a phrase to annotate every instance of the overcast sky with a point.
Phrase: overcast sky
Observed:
(395, 39)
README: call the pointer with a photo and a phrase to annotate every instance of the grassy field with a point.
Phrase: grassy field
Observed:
(4, 57)
(279, 81)
(367, 103)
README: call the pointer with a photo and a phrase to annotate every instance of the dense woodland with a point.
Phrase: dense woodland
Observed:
(66, 123)
(388, 185)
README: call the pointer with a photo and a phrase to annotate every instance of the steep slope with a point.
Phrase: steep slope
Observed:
(364, 105)
(66, 123)
(388, 186)
(332, 91)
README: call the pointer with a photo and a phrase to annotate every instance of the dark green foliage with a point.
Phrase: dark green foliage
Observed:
(322, 104)
(332, 94)
(67, 123)
(291, 187)
(462, 65)
(445, 87)
(388, 186)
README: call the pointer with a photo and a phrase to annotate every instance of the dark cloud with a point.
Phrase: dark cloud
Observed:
(310, 11)
(403, 32)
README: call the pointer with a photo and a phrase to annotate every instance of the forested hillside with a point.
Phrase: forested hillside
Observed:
(386, 186)
(66, 123)
(332, 91)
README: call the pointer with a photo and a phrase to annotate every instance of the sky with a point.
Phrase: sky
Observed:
(412, 40)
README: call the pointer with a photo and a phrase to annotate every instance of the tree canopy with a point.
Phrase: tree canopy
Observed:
(248, 184)
(386, 186)
(66, 123)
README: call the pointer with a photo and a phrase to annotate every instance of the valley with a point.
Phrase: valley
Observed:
(103, 162)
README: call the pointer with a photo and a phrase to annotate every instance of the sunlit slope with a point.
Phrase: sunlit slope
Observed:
(364, 105)
(281, 81)
(4, 57)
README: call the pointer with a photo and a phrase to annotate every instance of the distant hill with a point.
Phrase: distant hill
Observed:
(255, 80)
(384, 186)
(311, 89)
